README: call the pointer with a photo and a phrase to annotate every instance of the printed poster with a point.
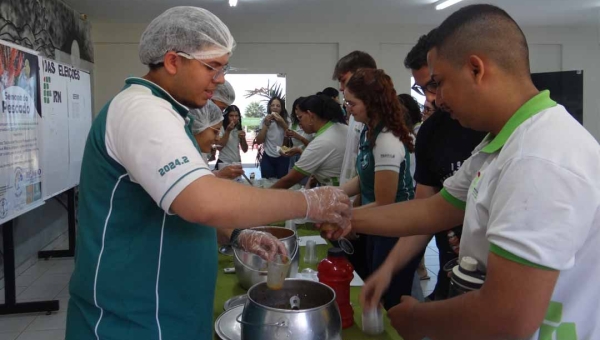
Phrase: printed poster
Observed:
(20, 115)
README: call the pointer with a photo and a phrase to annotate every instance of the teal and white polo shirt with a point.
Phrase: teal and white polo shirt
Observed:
(324, 155)
(389, 154)
(532, 196)
(140, 272)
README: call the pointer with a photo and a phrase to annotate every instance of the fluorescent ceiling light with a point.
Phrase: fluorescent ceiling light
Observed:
(233, 3)
(445, 4)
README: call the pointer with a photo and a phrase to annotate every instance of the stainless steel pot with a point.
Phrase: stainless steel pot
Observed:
(268, 314)
(251, 269)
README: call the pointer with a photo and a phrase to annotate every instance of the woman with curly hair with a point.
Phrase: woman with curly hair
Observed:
(383, 165)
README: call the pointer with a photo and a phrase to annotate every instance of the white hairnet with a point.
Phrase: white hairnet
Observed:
(224, 93)
(207, 116)
(193, 30)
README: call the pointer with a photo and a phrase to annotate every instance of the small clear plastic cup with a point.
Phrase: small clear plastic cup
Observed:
(310, 252)
(372, 321)
(343, 242)
(277, 271)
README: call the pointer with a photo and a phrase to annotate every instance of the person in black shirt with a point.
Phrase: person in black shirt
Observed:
(441, 148)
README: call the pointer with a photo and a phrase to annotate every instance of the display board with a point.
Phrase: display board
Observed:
(66, 121)
(20, 117)
(45, 117)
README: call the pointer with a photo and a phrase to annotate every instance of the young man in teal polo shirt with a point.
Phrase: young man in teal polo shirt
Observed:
(528, 197)
(146, 261)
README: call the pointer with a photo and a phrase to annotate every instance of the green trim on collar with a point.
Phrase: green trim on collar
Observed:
(512, 257)
(324, 128)
(534, 106)
(159, 92)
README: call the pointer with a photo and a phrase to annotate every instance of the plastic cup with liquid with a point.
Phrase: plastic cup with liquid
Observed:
(310, 252)
(277, 271)
(372, 321)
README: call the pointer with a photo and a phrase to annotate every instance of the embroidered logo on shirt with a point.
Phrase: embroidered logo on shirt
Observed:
(364, 162)
(473, 190)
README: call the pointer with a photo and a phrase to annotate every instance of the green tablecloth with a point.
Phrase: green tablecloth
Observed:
(227, 286)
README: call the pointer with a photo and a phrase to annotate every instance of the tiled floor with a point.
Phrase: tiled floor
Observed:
(45, 280)
(48, 280)
(433, 266)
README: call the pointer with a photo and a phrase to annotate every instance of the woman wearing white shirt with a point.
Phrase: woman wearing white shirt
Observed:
(300, 139)
(324, 155)
(232, 137)
(271, 135)
(383, 165)
(207, 122)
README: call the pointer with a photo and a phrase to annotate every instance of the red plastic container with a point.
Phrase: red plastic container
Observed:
(337, 272)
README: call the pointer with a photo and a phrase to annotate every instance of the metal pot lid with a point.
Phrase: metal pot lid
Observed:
(227, 327)
(235, 301)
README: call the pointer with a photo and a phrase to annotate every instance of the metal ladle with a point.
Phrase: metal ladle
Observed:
(295, 302)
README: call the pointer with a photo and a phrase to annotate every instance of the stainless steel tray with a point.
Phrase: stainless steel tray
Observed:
(235, 301)
(227, 327)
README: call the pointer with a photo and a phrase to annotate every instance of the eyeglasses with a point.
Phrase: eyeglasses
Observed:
(218, 71)
(215, 129)
(428, 110)
(430, 87)
(348, 104)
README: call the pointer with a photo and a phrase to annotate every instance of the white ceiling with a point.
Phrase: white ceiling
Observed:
(405, 12)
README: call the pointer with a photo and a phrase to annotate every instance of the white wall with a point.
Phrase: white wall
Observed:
(308, 53)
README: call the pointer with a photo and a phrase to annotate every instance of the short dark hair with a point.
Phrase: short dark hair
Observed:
(417, 57)
(296, 104)
(352, 62)
(331, 92)
(324, 107)
(483, 29)
(413, 110)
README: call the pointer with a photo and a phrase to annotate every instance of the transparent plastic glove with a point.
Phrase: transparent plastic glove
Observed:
(260, 243)
(328, 204)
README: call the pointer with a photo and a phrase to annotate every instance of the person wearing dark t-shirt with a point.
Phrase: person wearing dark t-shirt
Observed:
(442, 146)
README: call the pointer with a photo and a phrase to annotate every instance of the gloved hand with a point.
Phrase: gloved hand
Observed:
(260, 243)
(328, 204)
(230, 172)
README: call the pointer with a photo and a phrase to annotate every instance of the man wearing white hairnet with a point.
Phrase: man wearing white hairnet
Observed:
(146, 257)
